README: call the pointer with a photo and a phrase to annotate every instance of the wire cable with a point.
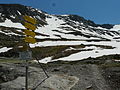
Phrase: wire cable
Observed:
(47, 76)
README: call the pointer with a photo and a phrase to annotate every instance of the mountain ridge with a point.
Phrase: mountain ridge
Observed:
(6, 10)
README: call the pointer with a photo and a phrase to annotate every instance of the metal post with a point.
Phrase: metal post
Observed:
(26, 76)
(27, 66)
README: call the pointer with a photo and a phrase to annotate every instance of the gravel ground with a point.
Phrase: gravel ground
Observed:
(91, 76)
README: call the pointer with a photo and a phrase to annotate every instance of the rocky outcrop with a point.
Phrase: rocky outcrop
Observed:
(36, 75)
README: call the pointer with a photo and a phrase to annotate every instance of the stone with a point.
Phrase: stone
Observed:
(60, 82)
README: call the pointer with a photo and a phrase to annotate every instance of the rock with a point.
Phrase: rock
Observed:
(54, 82)
(36, 76)
(60, 82)
(17, 84)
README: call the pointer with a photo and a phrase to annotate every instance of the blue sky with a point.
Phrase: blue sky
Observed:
(99, 11)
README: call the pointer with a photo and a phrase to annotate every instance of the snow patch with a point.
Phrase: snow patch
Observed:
(9, 23)
(95, 52)
(45, 60)
(4, 49)
(115, 28)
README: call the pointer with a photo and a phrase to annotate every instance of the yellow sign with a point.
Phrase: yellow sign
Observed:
(23, 48)
(30, 19)
(30, 33)
(30, 40)
(29, 26)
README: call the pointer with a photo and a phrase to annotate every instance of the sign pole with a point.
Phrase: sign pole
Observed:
(26, 76)
(27, 67)
(30, 26)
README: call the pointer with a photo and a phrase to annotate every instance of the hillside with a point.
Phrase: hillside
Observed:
(63, 37)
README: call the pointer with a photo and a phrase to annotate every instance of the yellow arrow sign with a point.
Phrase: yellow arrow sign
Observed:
(30, 19)
(29, 26)
(30, 33)
(30, 40)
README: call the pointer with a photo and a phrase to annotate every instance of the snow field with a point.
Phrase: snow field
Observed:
(96, 52)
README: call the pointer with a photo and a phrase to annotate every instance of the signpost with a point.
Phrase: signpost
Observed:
(25, 54)
(30, 26)
(29, 33)
(30, 19)
(30, 40)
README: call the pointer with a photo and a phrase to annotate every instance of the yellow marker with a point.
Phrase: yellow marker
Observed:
(30, 33)
(30, 19)
(29, 26)
(30, 40)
